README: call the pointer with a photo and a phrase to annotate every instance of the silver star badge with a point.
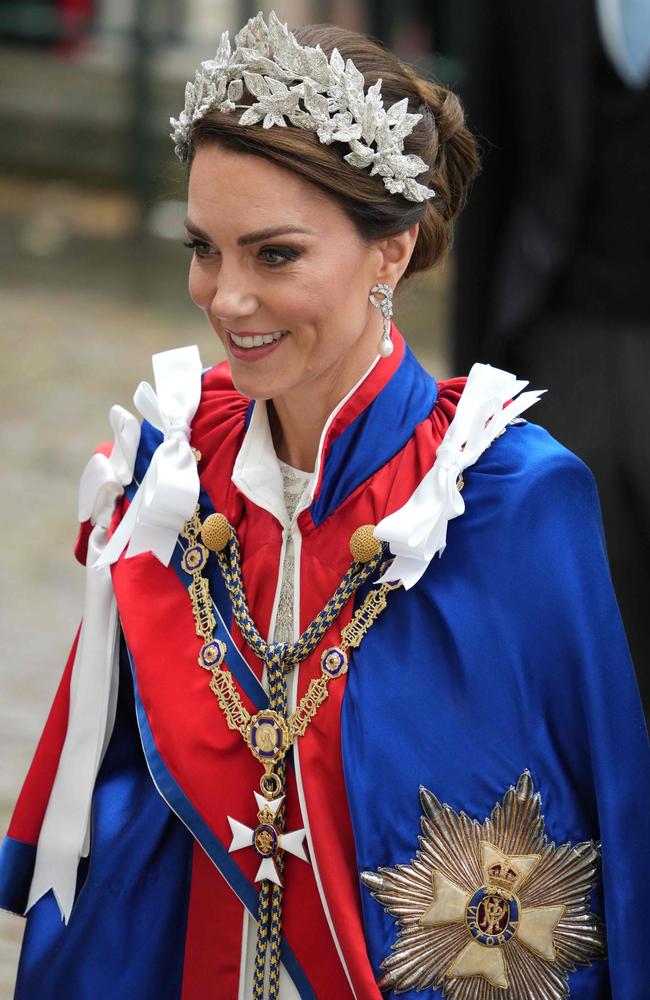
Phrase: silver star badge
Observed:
(491, 910)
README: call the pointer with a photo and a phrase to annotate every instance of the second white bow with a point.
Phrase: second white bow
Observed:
(418, 530)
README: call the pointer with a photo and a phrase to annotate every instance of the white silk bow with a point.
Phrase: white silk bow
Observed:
(169, 490)
(418, 530)
(65, 833)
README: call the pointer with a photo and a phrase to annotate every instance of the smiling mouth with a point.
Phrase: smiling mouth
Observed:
(251, 341)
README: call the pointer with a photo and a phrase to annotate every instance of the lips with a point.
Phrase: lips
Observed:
(250, 346)
(248, 341)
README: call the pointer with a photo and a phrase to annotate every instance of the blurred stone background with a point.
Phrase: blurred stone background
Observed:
(92, 282)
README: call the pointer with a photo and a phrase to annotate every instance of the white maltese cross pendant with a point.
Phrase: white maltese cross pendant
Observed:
(266, 839)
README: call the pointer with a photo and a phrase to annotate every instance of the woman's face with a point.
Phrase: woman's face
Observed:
(290, 307)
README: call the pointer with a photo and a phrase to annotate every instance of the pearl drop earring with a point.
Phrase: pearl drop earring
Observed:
(385, 306)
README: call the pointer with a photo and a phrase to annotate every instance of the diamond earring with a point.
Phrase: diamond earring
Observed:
(385, 306)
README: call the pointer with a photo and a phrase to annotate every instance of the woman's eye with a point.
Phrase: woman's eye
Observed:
(198, 246)
(273, 256)
(276, 256)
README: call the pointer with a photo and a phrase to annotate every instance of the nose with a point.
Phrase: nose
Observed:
(232, 296)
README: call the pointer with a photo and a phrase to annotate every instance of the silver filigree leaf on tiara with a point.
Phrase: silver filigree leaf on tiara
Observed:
(298, 85)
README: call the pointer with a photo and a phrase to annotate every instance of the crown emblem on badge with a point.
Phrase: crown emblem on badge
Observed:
(486, 907)
(503, 874)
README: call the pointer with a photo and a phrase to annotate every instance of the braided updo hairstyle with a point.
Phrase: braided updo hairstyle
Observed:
(440, 138)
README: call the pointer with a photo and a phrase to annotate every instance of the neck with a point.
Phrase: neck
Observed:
(298, 417)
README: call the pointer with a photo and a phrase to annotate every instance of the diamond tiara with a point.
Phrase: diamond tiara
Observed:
(298, 84)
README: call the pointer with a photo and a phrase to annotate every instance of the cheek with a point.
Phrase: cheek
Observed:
(343, 301)
(351, 279)
(334, 293)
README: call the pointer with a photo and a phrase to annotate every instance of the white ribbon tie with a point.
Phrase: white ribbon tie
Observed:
(418, 530)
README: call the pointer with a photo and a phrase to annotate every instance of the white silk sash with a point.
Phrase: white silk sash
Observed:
(169, 490)
(418, 530)
(65, 833)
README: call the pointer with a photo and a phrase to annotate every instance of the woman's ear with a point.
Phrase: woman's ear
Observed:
(395, 254)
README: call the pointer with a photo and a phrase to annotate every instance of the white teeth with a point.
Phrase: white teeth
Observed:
(258, 340)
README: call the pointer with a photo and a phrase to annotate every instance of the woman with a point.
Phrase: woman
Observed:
(350, 692)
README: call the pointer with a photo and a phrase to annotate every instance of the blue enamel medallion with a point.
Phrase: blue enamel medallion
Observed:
(492, 917)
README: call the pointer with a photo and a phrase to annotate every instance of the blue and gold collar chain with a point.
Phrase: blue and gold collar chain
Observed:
(271, 732)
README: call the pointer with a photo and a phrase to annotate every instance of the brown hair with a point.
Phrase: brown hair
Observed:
(440, 138)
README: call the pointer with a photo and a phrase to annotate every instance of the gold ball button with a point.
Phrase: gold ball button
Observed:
(363, 544)
(215, 532)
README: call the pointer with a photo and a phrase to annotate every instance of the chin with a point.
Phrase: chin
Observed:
(253, 386)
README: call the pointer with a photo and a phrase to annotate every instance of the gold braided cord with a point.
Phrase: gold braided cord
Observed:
(230, 565)
(262, 940)
(269, 918)
(275, 941)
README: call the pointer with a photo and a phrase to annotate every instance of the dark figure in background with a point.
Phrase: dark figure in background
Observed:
(553, 255)
(60, 26)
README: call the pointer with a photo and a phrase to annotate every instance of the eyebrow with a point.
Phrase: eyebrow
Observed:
(258, 237)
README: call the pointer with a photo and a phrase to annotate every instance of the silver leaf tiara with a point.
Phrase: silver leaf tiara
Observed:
(299, 83)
